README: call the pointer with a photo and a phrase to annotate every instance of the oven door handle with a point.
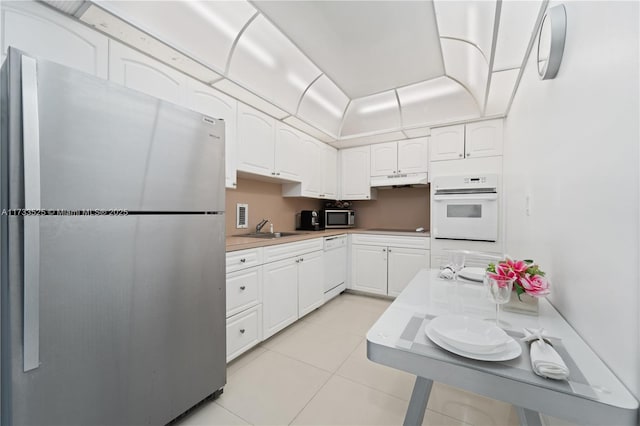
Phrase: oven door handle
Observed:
(469, 197)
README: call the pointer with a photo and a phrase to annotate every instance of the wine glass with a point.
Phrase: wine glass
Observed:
(456, 262)
(498, 291)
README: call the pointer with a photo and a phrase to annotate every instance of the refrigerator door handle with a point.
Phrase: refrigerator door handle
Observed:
(31, 221)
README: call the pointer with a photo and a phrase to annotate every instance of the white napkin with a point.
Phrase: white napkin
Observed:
(446, 273)
(544, 359)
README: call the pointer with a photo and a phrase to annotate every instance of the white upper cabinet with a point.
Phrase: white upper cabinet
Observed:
(312, 159)
(355, 174)
(137, 71)
(330, 173)
(41, 32)
(480, 139)
(407, 156)
(447, 143)
(413, 155)
(288, 153)
(483, 139)
(256, 141)
(384, 159)
(209, 101)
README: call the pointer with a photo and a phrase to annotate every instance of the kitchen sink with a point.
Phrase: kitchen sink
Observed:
(270, 235)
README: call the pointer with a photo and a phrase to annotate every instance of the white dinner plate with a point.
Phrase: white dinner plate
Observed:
(512, 349)
(470, 335)
(472, 274)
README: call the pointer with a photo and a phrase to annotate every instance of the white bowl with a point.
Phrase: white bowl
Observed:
(470, 334)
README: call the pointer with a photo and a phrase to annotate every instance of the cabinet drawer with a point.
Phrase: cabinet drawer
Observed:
(242, 259)
(284, 251)
(243, 289)
(243, 331)
(391, 240)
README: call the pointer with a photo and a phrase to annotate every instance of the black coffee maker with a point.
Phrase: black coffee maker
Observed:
(308, 220)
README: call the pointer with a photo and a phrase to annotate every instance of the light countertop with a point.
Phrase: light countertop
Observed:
(238, 242)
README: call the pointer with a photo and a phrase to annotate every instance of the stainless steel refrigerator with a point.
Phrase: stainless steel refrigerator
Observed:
(112, 245)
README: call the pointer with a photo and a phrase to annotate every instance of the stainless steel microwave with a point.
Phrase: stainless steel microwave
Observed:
(338, 218)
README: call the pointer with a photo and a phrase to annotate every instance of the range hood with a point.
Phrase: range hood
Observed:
(399, 180)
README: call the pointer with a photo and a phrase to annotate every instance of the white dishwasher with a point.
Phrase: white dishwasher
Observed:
(335, 261)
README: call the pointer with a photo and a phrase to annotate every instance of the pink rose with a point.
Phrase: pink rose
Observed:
(535, 285)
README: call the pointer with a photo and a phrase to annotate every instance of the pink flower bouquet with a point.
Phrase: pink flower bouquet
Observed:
(529, 278)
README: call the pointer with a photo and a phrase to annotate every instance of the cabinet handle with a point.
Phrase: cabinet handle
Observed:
(384, 250)
(468, 154)
(395, 172)
(301, 259)
(278, 173)
(367, 196)
(460, 155)
(399, 171)
(243, 260)
(242, 330)
(242, 287)
(389, 250)
(273, 173)
(234, 184)
(297, 260)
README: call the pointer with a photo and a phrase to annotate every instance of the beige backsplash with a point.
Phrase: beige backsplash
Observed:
(401, 208)
(265, 201)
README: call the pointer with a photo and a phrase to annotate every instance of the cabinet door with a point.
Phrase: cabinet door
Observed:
(369, 269)
(355, 167)
(44, 33)
(404, 264)
(256, 141)
(310, 282)
(447, 143)
(279, 295)
(330, 175)
(413, 155)
(288, 153)
(144, 74)
(313, 160)
(384, 159)
(484, 139)
(209, 101)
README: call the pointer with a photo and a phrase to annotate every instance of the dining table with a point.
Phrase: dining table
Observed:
(592, 394)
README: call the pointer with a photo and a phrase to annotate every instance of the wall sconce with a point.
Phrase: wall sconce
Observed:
(551, 42)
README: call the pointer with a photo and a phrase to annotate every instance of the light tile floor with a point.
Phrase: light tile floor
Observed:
(316, 372)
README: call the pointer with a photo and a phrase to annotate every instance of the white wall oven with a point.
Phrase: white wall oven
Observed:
(465, 207)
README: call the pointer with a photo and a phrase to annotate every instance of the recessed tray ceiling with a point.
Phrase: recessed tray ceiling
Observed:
(348, 72)
(365, 47)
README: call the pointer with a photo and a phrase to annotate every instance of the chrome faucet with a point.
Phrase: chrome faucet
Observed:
(261, 225)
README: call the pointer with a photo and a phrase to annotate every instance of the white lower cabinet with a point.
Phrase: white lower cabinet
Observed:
(244, 301)
(244, 331)
(383, 264)
(369, 268)
(403, 264)
(280, 295)
(293, 283)
(310, 282)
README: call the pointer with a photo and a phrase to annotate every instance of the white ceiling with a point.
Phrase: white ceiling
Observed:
(342, 71)
(365, 47)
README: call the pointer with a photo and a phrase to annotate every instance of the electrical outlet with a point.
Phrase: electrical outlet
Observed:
(242, 216)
